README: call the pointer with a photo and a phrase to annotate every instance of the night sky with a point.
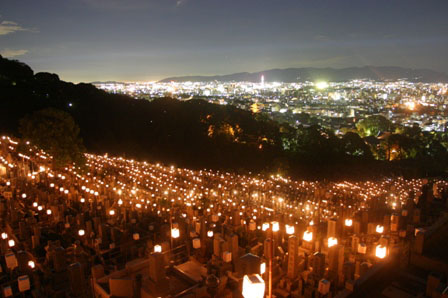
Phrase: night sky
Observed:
(127, 40)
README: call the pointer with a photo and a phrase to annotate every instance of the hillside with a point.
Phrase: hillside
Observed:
(197, 134)
(290, 75)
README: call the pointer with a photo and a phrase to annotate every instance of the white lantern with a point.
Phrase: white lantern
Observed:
(332, 241)
(112, 212)
(4, 236)
(49, 212)
(11, 243)
(379, 229)
(175, 233)
(210, 234)
(308, 236)
(81, 232)
(157, 248)
(253, 286)
(348, 222)
(380, 251)
(290, 229)
(31, 264)
(275, 226)
(265, 226)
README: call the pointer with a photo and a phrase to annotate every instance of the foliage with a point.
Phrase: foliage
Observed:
(374, 125)
(55, 132)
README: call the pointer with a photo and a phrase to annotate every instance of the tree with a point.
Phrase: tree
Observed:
(56, 133)
(373, 125)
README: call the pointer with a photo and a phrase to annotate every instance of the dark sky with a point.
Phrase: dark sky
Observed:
(87, 40)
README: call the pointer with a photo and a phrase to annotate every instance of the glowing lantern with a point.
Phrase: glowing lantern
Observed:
(210, 234)
(290, 229)
(120, 202)
(31, 264)
(11, 243)
(262, 268)
(82, 200)
(379, 229)
(332, 241)
(49, 212)
(40, 208)
(35, 204)
(175, 233)
(136, 236)
(275, 226)
(348, 222)
(157, 248)
(4, 236)
(112, 212)
(265, 226)
(308, 236)
(81, 232)
(380, 251)
(253, 286)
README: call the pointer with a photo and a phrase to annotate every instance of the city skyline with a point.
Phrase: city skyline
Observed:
(92, 40)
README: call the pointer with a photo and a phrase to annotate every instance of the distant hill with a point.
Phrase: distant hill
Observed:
(289, 75)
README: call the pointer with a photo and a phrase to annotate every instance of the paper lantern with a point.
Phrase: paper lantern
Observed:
(332, 241)
(308, 236)
(253, 286)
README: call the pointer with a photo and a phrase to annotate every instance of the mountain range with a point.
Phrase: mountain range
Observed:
(290, 75)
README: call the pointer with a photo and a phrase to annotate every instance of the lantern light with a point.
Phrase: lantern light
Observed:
(290, 229)
(332, 241)
(380, 251)
(81, 232)
(175, 233)
(265, 226)
(157, 248)
(308, 236)
(348, 222)
(275, 226)
(379, 229)
(11, 243)
(31, 264)
(262, 268)
(253, 286)
(210, 234)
